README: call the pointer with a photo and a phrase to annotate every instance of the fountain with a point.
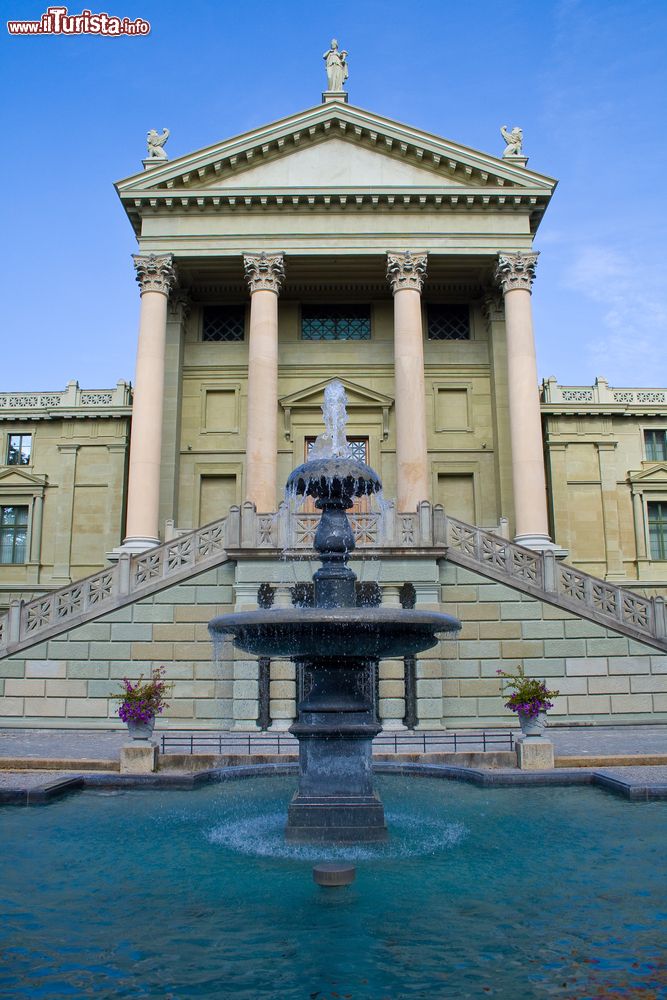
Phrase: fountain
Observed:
(336, 647)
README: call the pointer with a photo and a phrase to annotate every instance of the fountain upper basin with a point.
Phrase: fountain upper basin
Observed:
(332, 633)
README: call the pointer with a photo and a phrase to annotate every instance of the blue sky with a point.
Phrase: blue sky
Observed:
(586, 79)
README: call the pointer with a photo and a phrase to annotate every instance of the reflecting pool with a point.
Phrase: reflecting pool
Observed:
(479, 892)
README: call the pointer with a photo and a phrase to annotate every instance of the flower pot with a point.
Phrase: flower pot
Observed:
(533, 725)
(139, 730)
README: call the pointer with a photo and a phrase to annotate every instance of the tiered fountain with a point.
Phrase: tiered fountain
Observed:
(336, 647)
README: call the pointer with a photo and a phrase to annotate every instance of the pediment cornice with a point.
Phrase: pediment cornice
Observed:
(451, 175)
(655, 474)
(14, 476)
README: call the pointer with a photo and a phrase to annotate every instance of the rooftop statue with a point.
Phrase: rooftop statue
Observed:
(514, 140)
(336, 62)
(155, 143)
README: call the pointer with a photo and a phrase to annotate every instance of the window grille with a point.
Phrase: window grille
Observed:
(357, 448)
(448, 322)
(13, 534)
(657, 528)
(346, 322)
(656, 445)
(19, 449)
(223, 323)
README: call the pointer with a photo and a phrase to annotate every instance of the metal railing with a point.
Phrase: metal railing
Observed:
(255, 744)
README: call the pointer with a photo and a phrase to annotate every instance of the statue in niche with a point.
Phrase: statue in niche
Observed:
(155, 143)
(514, 140)
(336, 63)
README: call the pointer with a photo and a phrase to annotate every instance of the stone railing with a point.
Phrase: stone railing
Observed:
(601, 393)
(128, 580)
(71, 398)
(543, 576)
(427, 530)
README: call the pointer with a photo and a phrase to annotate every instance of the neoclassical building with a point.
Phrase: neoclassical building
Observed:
(339, 244)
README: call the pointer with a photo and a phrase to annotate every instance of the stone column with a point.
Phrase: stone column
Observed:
(640, 528)
(265, 274)
(156, 276)
(64, 512)
(406, 273)
(36, 528)
(612, 527)
(115, 490)
(515, 273)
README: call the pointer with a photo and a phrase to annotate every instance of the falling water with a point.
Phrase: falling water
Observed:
(332, 443)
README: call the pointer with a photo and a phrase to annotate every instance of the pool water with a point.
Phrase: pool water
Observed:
(512, 893)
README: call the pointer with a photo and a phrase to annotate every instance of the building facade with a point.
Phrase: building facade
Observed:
(338, 244)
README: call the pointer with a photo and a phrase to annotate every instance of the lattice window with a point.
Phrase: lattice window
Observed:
(223, 323)
(13, 534)
(656, 445)
(19, 449)
(357, 448)
(345, 322)
(447, 321)
(657, 528)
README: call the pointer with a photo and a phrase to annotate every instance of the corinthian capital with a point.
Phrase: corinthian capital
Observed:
(406, 270)
(155, 272)
(264, 271)
(516, 270)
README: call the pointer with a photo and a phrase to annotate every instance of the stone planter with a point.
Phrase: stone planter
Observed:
(140, 730)
(533, 725)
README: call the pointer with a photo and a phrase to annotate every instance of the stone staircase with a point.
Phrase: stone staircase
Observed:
(427, 531)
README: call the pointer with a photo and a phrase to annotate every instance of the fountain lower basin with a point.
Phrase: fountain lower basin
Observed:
(377, 633)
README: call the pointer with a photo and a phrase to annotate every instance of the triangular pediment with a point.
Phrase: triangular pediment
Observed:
(357, 395)
(653, 474)
(338, 147)
(17, 477)
(358, 398)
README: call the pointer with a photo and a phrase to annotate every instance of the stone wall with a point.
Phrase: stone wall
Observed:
(602, 676)
(68, 681)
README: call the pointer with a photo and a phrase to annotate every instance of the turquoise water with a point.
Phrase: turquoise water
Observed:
(481, 892)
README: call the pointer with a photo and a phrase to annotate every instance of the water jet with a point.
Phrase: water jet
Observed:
(336, 648)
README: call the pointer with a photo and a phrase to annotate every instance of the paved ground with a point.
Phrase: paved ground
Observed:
(105, 744)
(80, 746)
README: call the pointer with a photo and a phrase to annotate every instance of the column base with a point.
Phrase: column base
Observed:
(540, 543)
(134, 546)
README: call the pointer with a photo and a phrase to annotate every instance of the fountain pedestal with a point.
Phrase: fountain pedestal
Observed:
(336, 647)
(337, 723)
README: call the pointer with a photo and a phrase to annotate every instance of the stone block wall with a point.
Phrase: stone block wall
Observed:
(602, 676)
(68, 681)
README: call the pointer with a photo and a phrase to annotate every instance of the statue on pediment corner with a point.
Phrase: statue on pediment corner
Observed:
(514, 140)
(155, 144)
(337, 70)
